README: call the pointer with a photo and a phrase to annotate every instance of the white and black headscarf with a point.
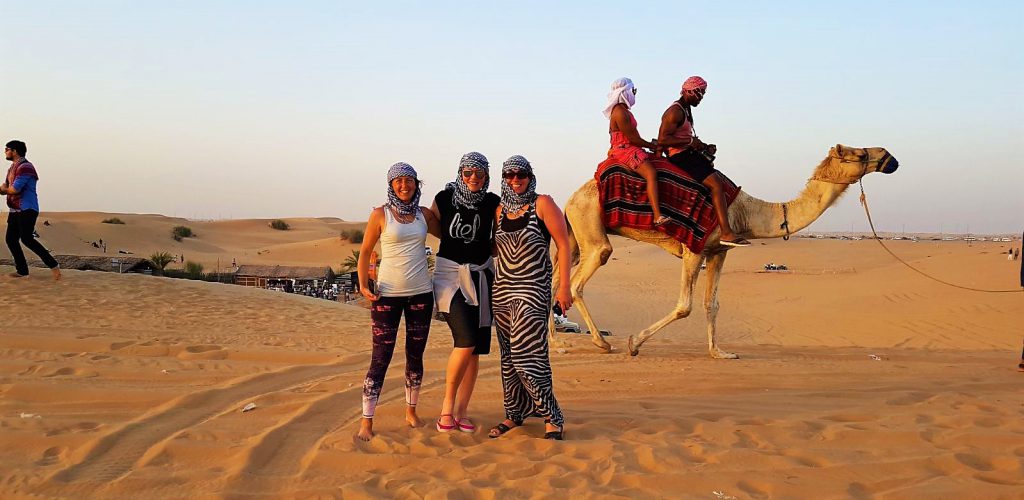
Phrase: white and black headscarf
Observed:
(403, 170)
(461, 194)
(514, 202)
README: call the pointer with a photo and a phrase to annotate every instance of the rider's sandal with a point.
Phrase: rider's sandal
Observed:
(738, 242)
(661, 220)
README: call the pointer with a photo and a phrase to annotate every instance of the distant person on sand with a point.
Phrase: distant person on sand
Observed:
(626, 143)
(403, 288)
(525, 225)
(696, 158)
(463, 276)
(20, 188)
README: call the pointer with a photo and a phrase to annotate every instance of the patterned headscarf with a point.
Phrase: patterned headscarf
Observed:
(461, 193)
(514, 202)
(694, 83)
(622, 93)
(403, 170)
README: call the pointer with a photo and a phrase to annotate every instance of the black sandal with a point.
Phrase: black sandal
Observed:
(502, 429)
(555, 435)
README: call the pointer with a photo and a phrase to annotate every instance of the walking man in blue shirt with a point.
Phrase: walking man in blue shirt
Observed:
(20, 187)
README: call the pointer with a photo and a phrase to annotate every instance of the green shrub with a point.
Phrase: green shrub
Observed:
(180, 232)
(352, 235)
(194, 269)
(113, 220)
(279, 224)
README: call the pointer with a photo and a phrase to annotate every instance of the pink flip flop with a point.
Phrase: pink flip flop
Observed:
(446, 428)
(464, 426)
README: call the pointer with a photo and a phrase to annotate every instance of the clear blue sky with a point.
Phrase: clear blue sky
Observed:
(219, 109)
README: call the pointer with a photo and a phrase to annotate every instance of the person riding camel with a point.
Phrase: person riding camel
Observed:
(626, 143)
(692, 155)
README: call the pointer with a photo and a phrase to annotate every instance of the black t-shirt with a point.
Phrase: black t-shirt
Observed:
(466, 233)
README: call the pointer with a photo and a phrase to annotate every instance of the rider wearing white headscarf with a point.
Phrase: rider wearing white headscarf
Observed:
(621, 93)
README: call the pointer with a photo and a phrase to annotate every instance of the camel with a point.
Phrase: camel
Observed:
(749, 217)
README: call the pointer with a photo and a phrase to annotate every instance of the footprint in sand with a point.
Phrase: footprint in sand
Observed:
(51, 456)
(68, 371)
(30, 370)
(975, 462)
(116, 346)
(206, 351)
(149, 349)
(77, 428)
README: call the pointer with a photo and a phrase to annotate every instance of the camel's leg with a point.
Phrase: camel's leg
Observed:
(592, 257)
(555, 280)
(715, 262)
(691, 268)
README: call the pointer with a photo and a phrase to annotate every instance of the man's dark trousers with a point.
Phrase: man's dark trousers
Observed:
(20, 226)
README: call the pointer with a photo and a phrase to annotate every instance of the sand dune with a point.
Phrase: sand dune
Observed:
(309, 241)
(116, 386)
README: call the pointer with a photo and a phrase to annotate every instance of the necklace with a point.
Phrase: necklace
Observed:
(402, 218)
(518, 213)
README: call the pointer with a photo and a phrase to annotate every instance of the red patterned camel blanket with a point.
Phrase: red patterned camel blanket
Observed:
(685, 201)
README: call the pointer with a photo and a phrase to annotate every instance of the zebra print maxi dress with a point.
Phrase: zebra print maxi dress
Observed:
(521, 301)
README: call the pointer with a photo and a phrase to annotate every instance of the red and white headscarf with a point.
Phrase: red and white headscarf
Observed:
(622, 93)
(694, 83)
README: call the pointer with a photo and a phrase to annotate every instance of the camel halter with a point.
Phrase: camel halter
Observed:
(864, 201)
(852, 180)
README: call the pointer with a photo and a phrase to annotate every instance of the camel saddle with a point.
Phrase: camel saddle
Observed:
(685, 201)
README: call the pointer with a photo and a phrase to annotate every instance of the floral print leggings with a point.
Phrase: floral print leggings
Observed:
(386, 313)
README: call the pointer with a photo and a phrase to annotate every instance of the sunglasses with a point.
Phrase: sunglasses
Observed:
(474, 172)
(634, 90)
(516, 174)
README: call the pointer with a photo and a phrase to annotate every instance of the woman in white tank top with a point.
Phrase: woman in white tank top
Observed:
(403, 289)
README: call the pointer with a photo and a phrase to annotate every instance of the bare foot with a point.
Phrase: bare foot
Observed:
(365, 429)
(56, 273)
(411, 418)
(16, 275)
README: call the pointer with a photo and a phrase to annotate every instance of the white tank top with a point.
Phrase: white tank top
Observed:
(403, 260)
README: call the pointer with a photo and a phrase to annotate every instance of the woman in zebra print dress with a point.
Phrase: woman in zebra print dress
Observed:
(525, 224)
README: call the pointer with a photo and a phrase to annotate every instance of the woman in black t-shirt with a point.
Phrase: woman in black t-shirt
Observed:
(463, 275)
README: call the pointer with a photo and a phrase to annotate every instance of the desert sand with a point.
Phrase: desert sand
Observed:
(857, 378)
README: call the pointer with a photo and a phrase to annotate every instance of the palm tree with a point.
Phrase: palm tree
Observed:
(351, 262)
(161, 259)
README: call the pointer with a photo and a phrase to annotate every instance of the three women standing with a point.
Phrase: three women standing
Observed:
(403, 287)
(524, 223)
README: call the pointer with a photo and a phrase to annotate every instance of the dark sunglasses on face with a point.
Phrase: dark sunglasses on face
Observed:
(516, 174)
(472, 172)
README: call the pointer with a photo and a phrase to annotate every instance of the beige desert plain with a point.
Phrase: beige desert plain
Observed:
(857, 378)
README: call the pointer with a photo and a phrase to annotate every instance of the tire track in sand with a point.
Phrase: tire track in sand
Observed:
(285, 452)
(114, 455)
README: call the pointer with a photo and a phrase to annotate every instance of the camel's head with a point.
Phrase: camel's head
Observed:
(846, 165)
